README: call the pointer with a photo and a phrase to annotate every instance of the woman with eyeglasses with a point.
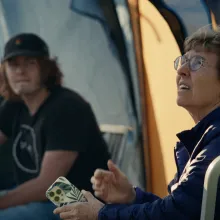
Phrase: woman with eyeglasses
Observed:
(198, 91)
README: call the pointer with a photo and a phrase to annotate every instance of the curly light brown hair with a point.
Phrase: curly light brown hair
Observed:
(51, 76)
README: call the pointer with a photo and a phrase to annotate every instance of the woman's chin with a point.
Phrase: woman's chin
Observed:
(182, 103)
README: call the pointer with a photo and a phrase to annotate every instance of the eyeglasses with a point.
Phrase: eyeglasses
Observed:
(194, 63)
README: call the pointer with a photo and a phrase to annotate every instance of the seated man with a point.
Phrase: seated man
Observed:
(54, 130)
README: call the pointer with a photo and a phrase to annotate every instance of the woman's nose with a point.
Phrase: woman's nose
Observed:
(183, 70)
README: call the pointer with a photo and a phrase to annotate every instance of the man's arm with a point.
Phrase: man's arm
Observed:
(55, 164)
(8, 114)
(65, 131)
(3, 138)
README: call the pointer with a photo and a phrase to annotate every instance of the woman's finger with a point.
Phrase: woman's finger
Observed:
(96, 182)
(108, 177)
(100, 174)
(92, 180)
(99, 194)
(96, 188)
(66, 215)
(65, 208)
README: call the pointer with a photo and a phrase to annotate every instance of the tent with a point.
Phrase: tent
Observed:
(119, 55)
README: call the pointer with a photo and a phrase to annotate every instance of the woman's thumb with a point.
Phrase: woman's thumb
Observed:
(113, 168)
(88, 195)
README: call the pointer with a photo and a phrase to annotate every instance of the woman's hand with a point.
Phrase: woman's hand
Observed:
(113, 186)
(81, 210)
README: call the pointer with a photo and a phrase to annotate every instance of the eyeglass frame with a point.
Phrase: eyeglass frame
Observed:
(188, 62)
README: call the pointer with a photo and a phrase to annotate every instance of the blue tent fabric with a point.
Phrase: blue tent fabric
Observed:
(214, 6)
(89, 8)
(93, 9)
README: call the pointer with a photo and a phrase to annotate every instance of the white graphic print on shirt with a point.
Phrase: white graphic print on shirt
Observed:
(25, 151)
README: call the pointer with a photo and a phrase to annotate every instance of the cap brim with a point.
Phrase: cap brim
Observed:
(22, 53)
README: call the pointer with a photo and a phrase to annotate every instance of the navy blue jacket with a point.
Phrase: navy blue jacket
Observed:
(197, 148)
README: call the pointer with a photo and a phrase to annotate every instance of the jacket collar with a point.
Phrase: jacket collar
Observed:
(191, 137)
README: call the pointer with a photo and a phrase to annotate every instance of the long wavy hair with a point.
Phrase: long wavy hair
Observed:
(50, 74)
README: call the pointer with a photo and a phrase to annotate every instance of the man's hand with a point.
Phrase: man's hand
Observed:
(54, 164)
(81, 210)
(113, 186)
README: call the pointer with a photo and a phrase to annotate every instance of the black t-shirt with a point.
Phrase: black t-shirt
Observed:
(65, 121)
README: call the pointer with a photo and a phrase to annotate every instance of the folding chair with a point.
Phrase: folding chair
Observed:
(210, 190)
(116, 138)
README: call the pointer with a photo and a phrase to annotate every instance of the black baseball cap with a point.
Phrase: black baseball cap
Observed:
(25, 44)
